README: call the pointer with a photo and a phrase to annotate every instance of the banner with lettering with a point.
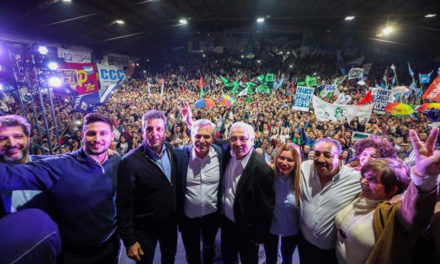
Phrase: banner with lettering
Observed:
(81, 77)
(75, 55)
(109, 75)
(332, 112)
(433, 91)
(381, 98)
(303, 97)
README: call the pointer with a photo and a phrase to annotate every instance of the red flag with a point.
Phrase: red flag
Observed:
(201, 83)
(433, 91)
(367, 99)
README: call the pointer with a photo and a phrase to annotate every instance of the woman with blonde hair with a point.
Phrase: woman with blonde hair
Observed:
(286, 165)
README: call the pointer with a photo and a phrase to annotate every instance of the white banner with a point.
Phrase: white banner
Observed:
(331, 112)
(109, 75)
(381, 98)
(75, 55)
(303, 97)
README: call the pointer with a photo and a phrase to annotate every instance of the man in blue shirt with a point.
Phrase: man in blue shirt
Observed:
(147, 194)
(81, 188)
(29, 236)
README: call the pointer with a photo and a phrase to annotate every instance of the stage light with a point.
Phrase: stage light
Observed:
(43, 50)
(260, 20)
(349, 18)
(183, 21)
(204, 55)
(387, 30)
(145, 71)
(54, 82)
(52, 65)
(430, 15)
(290, 66)
(1, 87)
(242, 56)
(67, 1)
(137, 64)
(258, 61)
(119, 21)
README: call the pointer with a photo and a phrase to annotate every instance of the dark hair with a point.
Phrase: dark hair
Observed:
(153, 114)
(382, 145)
(95, 117)
(336, 143)
(392, 172)
(16, 120)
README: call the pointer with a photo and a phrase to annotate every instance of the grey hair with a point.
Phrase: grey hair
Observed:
(202, 123)
(246, 127)
(335, 143)
(153, 114)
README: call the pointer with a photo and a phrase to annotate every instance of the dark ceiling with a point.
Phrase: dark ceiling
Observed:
(151, 25)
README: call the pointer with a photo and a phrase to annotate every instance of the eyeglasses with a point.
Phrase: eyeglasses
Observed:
(242, 139)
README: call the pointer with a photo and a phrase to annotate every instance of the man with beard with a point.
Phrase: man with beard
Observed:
(198, 191)
(248, 197)
(23, 243)
(81, 188)
(326, 186)
(146, 199)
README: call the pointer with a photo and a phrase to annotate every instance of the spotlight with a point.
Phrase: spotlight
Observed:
(137, 64)
(119, 21)
(258, 61)
(260, 20)
(349, 18)
(52, 65)
(43, 50)
(67, 1)
(1, 87)
(145, 71)
(242, 56)
(204, 55)
(183, 21)
(430, 15)
(387, 30)
(54, 82)
(290, 66)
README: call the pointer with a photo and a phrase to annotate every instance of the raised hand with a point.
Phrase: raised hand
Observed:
(186, 113)
(427, 160)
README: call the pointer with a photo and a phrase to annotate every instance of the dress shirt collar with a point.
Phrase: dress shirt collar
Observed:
(153, 153)
(244, 160)
(211, 154)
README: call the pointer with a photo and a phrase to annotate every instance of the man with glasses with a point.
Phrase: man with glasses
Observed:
(248, 197)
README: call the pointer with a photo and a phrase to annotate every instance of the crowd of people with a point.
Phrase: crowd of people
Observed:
(307, 181)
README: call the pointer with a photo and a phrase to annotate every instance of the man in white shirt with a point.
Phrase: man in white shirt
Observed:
(248, 197)
(326, 186)
(198, 196)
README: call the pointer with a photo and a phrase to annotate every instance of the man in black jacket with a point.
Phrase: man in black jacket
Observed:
(146, 199)
(248, 197)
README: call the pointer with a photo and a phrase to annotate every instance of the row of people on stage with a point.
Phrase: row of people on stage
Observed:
(373, 211)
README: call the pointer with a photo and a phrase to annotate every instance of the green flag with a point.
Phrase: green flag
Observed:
(201, 93)
(301, 84)
(224, 80)
(266, 88)
(249, 91)
(260, 88)
(260, 78)
(249, 99)
(235, 89)
(311, 81)
(269, 77)
(250, 85)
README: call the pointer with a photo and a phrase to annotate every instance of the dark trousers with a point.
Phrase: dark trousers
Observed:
(149, 235)
(233, 241)
(311, 254)
(106, 252)
(288, 245)
(192, 229)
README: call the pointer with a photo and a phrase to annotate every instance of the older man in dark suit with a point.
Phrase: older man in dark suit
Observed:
(248, 197)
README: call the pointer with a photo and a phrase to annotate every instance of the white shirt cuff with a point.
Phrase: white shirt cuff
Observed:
(424, 184)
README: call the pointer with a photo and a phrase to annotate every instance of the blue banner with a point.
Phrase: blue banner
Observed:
(303, 97)
(424, 78)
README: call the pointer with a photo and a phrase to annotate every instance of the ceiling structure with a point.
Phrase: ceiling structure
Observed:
(152, 25)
